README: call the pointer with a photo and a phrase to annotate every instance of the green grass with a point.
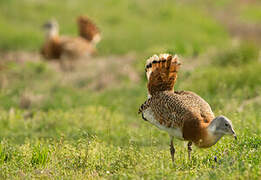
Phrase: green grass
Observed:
(85, 134)
(70, 131)
(158, 25)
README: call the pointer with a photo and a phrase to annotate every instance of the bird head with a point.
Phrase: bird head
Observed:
(222, 125)
(51, 27)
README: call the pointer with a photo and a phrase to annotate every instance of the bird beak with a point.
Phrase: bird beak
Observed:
(44, 26)
(234, 134)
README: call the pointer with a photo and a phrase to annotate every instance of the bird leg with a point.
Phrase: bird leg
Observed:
(172, 149)
(189, 149)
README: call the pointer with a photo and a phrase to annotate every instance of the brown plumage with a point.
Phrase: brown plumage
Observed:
(88, 30)
(58, 47)
(162, 74)
(52, 48)
(182, 114)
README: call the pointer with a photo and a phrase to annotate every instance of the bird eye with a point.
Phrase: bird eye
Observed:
(226, 124)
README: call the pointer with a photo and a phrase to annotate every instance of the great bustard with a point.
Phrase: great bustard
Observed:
(182, 114)
(58, 47)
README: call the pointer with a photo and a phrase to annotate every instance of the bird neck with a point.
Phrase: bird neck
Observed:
(52, 34)
(212, 136)
(208, 137)
(212, 139)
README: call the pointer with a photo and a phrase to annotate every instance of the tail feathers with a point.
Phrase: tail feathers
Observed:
(161, 72)
(88, 30)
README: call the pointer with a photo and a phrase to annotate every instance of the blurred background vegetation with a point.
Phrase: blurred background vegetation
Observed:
(84, 123)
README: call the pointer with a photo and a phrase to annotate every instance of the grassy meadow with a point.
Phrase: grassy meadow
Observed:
(83, 124)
